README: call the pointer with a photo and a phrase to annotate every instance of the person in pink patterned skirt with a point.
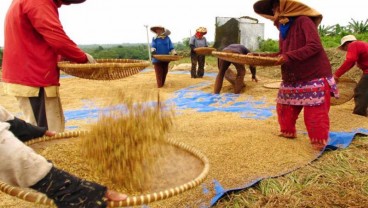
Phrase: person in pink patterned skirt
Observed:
(307, 80)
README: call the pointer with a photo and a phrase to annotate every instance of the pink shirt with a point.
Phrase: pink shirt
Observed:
(34, 37)
(357, 53)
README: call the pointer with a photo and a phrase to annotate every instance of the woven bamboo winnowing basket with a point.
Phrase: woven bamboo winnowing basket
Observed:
(246, 59)
(346, 88)
(204, 50)
(39, 198)
(273, 84)
(104, 69)
(167, 58)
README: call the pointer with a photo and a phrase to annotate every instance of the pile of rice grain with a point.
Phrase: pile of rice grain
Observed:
(125, 142)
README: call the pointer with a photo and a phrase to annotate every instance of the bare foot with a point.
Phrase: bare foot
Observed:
(288, 135)
(318, 147)
(115, 196)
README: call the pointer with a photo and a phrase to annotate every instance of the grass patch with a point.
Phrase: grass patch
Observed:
(337, 179)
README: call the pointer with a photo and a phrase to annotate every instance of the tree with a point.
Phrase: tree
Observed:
(186, 42)
(268, 45)
(358, 27)
(325, 30)
(340, 30)
(99, 49)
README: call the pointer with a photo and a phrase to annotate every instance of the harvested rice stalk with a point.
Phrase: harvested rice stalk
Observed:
(125, 141)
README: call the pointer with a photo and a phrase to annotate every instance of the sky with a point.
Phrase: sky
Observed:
(122, 21)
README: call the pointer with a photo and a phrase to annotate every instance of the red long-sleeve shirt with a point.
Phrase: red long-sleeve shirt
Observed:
(305, 56)
(34, 37)
(357, 53)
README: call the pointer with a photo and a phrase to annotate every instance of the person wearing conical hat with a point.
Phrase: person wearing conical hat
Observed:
(161, 44)
(198, 40)
(307, 80)
(357, 53)
(34, 41)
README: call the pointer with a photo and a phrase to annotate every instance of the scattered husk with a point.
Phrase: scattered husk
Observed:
(125, 142)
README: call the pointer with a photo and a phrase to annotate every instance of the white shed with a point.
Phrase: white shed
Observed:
(244, 30)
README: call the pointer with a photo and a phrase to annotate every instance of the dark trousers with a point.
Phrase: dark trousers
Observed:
(361, 96)
(39, 108)
(238, 81)
(161, 69)
(200, 59)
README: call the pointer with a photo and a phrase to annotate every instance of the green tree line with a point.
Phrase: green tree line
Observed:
(129, 51)
(330, 36)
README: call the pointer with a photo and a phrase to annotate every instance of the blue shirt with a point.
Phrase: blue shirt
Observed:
(163, 46)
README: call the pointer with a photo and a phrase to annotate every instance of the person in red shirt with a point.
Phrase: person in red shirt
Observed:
(357, 53)
(34, 40)
(307, 80)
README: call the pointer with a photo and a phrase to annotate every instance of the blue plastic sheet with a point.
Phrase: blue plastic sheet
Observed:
(192, 98)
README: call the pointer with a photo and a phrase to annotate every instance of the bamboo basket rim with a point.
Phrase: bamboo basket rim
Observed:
(204, 50)
(167, 58)
(246, 59)
(346, 92)
(273, 84)
(104, 69)
(39, 198)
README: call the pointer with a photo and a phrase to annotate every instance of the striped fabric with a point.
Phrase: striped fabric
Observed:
(310, 93)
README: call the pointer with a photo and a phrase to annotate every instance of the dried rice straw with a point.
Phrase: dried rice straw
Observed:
(125, 142)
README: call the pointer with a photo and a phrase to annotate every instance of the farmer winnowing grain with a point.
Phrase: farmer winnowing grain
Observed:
(23, 167)
(357, 53)
(196, 41)
(34, 40)
(223, 66)
(307, 80)
(161, 45)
